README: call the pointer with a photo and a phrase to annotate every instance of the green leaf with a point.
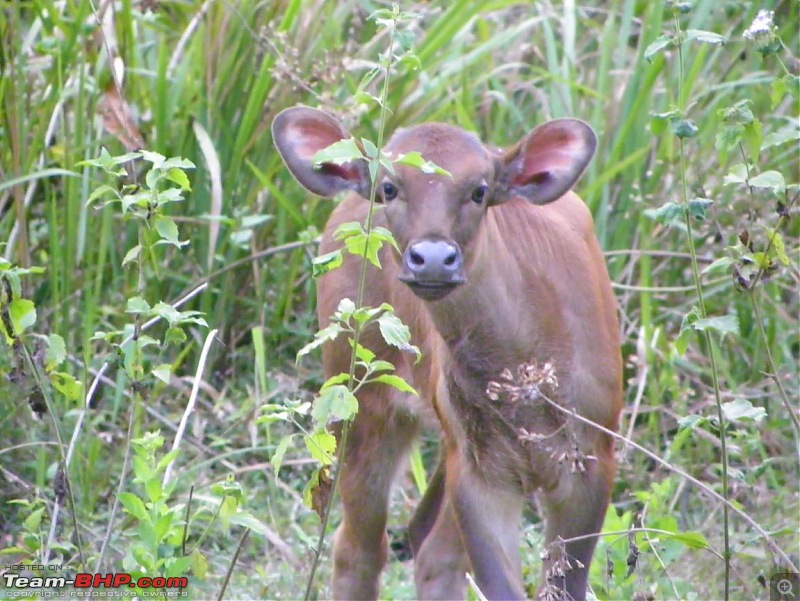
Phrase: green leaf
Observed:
(737, 175)
(414, 159)
(725, 324)
(330, 332)
(322, 446)
(659, 121)
(56, 351)
(162, 372)
(132, 255)
(691, 540)
(363, 353)
(22, 313)
(168, 230)
(777, 246)
(334, 403)
(179, 177)
(153, 157)
(67, 385)
(199, 564)
(137, 305)
(340, 378)
(698, 207)
(34, 520)
(705, 37)
(134, 506)
(280, 452)
(366, 246)
(343, 151)
(395, 382)
(729, 136)
(396, 333)
(771, 180)
(657, 46)
(153, 489)
(667, 214)
(743, 410)
(325, 263)
(721, 263)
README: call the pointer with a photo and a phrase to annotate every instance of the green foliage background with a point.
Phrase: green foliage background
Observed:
(203, 80)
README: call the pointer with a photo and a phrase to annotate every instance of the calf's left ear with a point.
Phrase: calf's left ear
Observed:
(547, 162)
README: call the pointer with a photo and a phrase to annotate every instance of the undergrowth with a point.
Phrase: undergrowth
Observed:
(156, 273)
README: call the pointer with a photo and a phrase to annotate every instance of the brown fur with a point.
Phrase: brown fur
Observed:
(537, 290)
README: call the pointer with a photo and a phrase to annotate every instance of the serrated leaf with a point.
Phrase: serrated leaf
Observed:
(199, 565)
(366, 246)
(395, 382)
(322, 446)
(334, 403)
(395, 332)
(743, 410)
(657, 46)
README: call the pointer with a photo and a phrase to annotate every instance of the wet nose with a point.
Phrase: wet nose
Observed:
(433, 260)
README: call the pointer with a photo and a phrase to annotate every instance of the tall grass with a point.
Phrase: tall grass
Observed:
(203, 80)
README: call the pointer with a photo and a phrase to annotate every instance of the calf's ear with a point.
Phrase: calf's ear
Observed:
(301, 132)
(547, 162)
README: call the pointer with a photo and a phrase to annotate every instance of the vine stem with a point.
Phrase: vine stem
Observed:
(362, 279)
(706, 333)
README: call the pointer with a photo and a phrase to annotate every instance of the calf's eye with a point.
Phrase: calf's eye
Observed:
(389, 191)
(479, 193)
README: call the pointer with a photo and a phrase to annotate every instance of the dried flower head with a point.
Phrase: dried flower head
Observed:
(762, 32)
(531, 382)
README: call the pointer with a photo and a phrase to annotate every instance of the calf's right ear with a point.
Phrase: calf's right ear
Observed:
(301, 132)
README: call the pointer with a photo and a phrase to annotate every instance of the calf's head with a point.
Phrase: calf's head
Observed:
(434, 218)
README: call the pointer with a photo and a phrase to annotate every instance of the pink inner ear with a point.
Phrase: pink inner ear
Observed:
(309, 138)
(346, 171)
(550, 150)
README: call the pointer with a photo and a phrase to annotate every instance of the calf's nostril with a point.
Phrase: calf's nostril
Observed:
(416, 258)
(450, 259)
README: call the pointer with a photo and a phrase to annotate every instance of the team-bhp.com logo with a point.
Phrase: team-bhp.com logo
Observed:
(157, 586)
